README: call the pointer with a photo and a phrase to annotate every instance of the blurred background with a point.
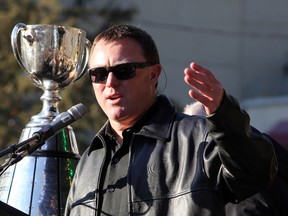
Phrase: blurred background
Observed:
(244, 43)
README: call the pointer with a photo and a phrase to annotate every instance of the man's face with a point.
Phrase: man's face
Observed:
(124, 101)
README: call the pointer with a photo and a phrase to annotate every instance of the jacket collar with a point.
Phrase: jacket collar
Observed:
(158, 123)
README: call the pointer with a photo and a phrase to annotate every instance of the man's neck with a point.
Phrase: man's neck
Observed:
(117, 127)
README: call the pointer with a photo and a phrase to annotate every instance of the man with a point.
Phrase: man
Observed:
(149, 160)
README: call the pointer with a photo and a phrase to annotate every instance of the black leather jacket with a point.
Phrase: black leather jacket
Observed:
(183, 165)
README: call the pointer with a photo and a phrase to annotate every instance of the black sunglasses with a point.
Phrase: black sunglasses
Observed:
(121, 72)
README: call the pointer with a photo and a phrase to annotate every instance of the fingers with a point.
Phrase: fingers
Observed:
(201, 79)
(205, 87)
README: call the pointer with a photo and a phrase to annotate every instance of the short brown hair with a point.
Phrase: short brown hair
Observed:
(123, 31)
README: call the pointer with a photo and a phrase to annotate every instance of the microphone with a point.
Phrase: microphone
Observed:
(59, 122)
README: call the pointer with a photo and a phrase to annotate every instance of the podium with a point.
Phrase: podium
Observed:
(6, 210)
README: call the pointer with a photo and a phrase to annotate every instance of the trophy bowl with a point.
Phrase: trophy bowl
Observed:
(51, 53)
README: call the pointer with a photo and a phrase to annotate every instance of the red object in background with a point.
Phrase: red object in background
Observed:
(280, 133)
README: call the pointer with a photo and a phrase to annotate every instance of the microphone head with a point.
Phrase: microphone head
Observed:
(77, 111)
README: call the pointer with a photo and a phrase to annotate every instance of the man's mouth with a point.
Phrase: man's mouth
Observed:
(114, 97)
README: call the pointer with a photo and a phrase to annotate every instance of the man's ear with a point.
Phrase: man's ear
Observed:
(156, 72)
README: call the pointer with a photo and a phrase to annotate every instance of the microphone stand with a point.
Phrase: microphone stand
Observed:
(28, 146)
(18, 150)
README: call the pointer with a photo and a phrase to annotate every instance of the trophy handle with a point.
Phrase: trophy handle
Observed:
(14, 40)
(84, 59)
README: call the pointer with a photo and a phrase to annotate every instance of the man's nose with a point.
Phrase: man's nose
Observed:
(111, 80)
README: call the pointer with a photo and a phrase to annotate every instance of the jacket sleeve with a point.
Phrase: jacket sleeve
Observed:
(246, 157)
(282, 158)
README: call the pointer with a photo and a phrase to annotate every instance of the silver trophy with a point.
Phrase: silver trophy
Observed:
(54, 57)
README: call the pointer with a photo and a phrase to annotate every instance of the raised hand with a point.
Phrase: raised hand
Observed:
(205, 87)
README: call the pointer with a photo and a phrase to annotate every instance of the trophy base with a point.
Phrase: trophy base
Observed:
(39, 184)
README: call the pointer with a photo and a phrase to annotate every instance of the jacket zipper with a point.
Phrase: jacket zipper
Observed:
(97, 195)
(131, 157)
